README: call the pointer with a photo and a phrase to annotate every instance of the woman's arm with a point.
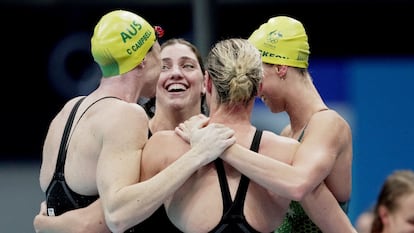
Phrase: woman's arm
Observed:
(324, 210)
(89, 219)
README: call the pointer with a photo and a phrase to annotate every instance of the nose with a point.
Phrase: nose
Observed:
(176, 72)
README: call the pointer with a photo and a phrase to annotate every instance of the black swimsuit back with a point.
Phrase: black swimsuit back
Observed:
(233, 219)
(59, 196)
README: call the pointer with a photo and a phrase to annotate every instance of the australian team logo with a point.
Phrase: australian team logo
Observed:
(274, 36)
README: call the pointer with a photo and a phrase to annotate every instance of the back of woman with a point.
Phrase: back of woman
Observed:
(217, 197)
(198, 205)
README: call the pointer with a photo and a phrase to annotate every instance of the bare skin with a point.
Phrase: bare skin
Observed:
(320, 174)
(263, 210)
(180, 65)
(96, 126)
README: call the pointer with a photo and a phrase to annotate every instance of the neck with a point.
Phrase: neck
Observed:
(302, 107)
(168, 119)
(231, 115)
(122, 87)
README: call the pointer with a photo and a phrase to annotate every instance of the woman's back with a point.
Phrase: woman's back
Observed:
(198, 205)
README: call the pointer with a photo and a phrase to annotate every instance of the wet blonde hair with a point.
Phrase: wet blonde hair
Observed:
(235, 67)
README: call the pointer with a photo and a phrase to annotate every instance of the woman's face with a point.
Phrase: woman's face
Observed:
(402, 219)
(181, 79)
(269, 90)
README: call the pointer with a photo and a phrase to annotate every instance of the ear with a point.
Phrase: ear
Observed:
(140, 67)
(208, 82)
(384, 215)
(281, 70)
(204, 84)
(142, 64)
(260, 89)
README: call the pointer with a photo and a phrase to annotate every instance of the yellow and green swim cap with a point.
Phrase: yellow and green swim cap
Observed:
(120, 41)
(282, 40)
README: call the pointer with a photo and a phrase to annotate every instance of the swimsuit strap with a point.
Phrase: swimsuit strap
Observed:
(62, 148)
(59, 171)
(233, 219)
(244, 180)
(303, 131)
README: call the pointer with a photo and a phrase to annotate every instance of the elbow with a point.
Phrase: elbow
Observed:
(114, 222)
(297, 193)
(119, 221)
(121, 216)
(115, 213)
(87, 227)
(299, 190)
(111, 222)
(115, 225)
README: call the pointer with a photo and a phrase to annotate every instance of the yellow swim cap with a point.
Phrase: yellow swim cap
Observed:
(120, 41)
(282, 40)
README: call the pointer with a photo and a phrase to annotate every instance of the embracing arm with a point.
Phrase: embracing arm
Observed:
(118, 167)
(324, 210)
(325, 138)
(128, 199)
(269, 172)
(84, 220)
(311, 162)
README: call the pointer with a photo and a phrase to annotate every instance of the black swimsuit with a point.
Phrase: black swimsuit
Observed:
(157, 222)
(233, 220)
(59, 196)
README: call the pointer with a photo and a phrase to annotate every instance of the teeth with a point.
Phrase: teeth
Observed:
(176, 87)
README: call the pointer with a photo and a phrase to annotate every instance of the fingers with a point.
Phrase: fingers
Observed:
(182, 133)
(203, 120)
(196, 122)
(224, 131)
(43, 208)
(181, 127)
(229, 142)
(212, 140)
(216, 132)
(197, 130)
(188, 127)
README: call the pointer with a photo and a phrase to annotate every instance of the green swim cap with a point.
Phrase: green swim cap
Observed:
(282, 40)
(120, 41)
